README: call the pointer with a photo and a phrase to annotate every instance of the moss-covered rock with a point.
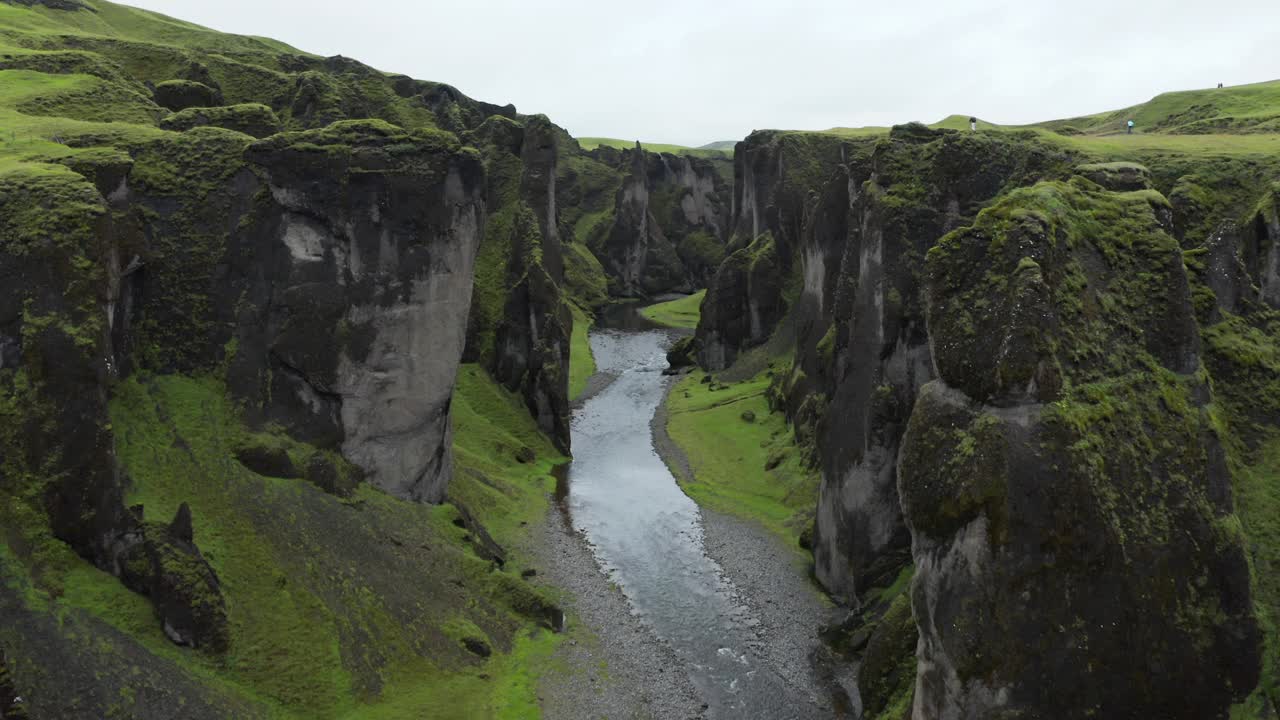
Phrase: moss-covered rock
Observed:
(1051, 464)
(177, 95)
(1119, 176)
(162, 562)
(251, 119)
(669, 224)
(520, 324)
(584, 276)
(887, 673)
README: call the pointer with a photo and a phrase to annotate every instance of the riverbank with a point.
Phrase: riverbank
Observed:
(719, 582)
(611, 664)
(767, 570)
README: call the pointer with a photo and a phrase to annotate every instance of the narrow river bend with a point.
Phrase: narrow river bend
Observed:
(647, 535)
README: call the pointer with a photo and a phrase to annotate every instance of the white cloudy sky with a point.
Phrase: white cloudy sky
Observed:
(694, 71)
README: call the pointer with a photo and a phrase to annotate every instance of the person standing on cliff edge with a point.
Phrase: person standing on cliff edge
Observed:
(973, 123)
(1130, 126)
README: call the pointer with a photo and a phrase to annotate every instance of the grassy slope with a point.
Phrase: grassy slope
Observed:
(679, 313)
(321, 628)
(582, 364)
(728, 454)
(264, 534)
(1238, 121)
(1241, 108)
(347, 637)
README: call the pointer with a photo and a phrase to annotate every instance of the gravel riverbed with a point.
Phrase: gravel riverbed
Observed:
(613, 664)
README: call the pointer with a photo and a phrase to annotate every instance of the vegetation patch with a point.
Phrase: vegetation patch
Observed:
(582, 363)
(679, 313)
(742, 455)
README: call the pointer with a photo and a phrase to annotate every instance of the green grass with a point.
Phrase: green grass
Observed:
(505, 688)
(582, 364)
(680, 313)
(590, 143)
(121, 21)
(585, 279)
(313, 621)
(728, 455)
(490, 424)
(1241, 108)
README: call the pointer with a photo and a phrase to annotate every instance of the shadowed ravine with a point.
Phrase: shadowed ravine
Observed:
(647, 535)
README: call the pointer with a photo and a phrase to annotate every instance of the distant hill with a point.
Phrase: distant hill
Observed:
(589, 143)
(1242, 109)
(725, 145)
(1239, 110)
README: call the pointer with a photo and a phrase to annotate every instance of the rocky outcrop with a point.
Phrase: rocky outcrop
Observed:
(163, 563)
(57, 365)
(875, 355)
(669, 223)
(520, 323)
(327, 276)
(251, 119)
(774, 173)
(355, 329)
(1261, 251)
(1070, 506)
(177, 95)
(849, 232)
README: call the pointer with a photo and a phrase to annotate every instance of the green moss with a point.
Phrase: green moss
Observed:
(490, 426)
(584, 276)
(886, 677)
(679, 313)
(252, 119)
(582, 363)
(313, 625)
(1257, 487)
(701, 249)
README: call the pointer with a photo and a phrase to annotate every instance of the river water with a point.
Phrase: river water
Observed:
(647, 535)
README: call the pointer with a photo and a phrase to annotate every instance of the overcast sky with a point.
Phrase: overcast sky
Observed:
(694, 71)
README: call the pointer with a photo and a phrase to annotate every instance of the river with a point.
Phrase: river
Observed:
(647, 535)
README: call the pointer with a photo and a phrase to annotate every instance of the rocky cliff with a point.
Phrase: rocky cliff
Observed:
(669, 223)
(1045, 478)
(221, 343)
(837, 256)
(521, 325)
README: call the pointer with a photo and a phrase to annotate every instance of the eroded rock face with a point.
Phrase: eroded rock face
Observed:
(163, 563)
(1261, 253)
(862, 348)
(58, 270)
(773, 175)
(669, 223)
(364, 318)
(1067, 494)
(520, 324)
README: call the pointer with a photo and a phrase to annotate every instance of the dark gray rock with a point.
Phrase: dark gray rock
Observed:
(177, 95)
(267, 460)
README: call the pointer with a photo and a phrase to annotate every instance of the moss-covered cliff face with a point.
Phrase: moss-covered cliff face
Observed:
(669, 222)
(1158, 314)
(223, 345)
(1075, 451)
(521, 323)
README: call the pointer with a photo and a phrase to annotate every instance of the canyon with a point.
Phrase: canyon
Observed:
(331, 392)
